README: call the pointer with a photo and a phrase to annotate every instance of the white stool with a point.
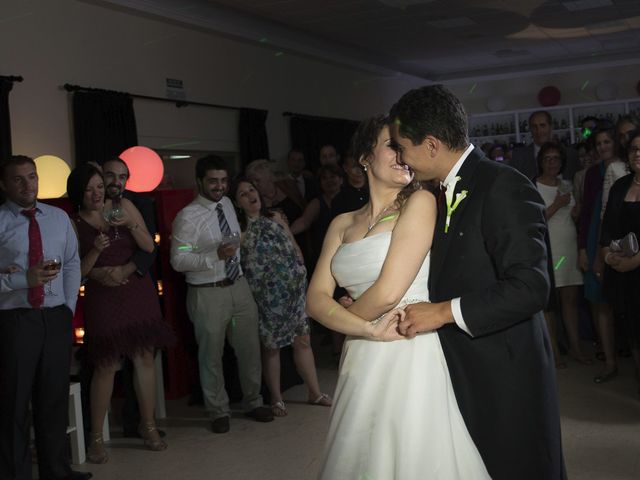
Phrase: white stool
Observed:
(76, 427)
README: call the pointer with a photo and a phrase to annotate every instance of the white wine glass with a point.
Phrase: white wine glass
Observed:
(232, 239)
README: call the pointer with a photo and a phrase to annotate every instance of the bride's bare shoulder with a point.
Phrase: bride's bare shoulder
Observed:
(342, 223)
(420, 199)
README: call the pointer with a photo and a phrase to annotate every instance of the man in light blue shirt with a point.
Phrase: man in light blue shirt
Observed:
(37, 300)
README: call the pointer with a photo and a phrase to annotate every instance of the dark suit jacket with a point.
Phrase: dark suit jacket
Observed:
(494, 258)
(522, 159)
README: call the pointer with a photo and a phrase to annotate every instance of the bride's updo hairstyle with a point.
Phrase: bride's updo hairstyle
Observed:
(365, 140)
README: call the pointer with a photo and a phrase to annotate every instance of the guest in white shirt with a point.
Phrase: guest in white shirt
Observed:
(219, 301)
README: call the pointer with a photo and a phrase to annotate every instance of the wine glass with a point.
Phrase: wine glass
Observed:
(52, 264)
(232, 239)
(112, 214)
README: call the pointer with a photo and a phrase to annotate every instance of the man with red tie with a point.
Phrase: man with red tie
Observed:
(38, 291)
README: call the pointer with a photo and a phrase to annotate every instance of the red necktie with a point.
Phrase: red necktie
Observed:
(36, 294)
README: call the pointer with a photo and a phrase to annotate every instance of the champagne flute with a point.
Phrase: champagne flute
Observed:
(233, 239)
(50, 265)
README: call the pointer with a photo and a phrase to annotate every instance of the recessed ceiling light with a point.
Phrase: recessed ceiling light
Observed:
(179, 157)
(404, 3)
(579, 5)
(451, 22)
(511, 53)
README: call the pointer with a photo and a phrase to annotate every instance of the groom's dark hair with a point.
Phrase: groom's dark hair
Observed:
(431, 110)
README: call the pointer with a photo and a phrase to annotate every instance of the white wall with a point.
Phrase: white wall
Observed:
(65, 41)
(69, 41)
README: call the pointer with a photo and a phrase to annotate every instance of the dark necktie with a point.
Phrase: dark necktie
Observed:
(230, 264)
(442, 200)
(35, 294)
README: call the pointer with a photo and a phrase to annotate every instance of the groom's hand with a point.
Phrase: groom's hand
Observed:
(425, 317)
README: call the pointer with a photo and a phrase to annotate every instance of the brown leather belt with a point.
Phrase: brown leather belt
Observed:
(227, 282)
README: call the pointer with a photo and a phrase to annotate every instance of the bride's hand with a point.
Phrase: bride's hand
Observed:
(386, 329)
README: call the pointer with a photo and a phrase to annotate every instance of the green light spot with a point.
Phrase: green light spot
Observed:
(233, 322)
(279, 54)
(263, 40)
(185, 248)
(560, 262)
(473, 87)
(584, 85)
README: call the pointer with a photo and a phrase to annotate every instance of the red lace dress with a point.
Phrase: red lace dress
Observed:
(124, 320)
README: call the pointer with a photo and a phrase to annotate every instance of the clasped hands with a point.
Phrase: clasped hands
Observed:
(408, 321)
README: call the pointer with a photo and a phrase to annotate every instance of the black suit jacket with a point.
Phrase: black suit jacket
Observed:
(143, 260)
(494, 258)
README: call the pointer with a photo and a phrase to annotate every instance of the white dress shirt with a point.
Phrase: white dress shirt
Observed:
(455, 302)
(195, 239)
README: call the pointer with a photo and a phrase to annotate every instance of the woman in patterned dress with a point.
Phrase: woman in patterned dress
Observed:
(273, 265)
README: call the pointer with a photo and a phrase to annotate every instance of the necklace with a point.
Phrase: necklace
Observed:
(636, 181)
(378, 217)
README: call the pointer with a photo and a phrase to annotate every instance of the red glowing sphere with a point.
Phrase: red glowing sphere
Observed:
(145, 168)
(549, 96)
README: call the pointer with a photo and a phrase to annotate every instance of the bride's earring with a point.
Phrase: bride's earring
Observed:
(364, 167)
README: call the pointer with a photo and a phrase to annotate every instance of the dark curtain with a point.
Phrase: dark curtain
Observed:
(252, 135)
(104, 125)
(5, 119)
(309, 134)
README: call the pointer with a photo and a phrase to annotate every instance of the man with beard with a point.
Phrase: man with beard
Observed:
(219, 301)
(116, 173)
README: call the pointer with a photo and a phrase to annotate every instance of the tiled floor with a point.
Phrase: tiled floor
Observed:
(601, 428)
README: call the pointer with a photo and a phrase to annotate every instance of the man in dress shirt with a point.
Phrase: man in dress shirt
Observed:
(36, 308)
(525, 159)
(219, 301)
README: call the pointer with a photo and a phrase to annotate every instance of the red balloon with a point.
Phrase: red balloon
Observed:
(549, 96)
(145, 168)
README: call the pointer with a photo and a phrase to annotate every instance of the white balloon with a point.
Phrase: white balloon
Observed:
(496, 103)
(606, 90)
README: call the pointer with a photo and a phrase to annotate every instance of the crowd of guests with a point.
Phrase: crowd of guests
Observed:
(247, 247)
(591, 190)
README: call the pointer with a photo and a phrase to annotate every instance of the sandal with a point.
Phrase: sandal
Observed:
(323, 400)
(151, 437)
(278, 409)
(97, 453)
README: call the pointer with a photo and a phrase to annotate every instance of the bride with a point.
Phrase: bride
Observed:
(395, 415)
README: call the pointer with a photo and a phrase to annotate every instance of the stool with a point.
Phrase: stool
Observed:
(76, 427)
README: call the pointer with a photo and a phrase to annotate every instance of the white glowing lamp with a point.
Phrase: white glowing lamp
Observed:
(52, 176)
(145, 168)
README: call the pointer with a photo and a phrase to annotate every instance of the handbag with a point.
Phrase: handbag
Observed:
(626, 246)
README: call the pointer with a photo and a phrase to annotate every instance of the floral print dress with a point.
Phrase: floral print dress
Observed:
(278, 281)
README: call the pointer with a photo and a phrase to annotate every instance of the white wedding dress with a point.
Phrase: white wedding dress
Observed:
(394, 415)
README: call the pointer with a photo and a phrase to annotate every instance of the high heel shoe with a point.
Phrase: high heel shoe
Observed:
(606, 375)
(151, 437)
(97, 452)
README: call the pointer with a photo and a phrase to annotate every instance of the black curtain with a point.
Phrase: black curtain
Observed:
(252, 135)
(5, 119)
(309, 134)
(104, 125)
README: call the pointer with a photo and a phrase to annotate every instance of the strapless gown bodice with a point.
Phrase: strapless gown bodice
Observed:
(357, 265)
(395, 416)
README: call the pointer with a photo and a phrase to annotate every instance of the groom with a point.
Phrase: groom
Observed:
(488, 283)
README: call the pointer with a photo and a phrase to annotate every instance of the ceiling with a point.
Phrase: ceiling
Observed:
(437, 40)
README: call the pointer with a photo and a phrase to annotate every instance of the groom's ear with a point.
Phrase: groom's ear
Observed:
(432, 146)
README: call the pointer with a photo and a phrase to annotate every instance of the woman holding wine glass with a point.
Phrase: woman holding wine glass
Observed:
(120, 320)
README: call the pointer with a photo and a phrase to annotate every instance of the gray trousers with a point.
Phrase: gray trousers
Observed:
(230, 311)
